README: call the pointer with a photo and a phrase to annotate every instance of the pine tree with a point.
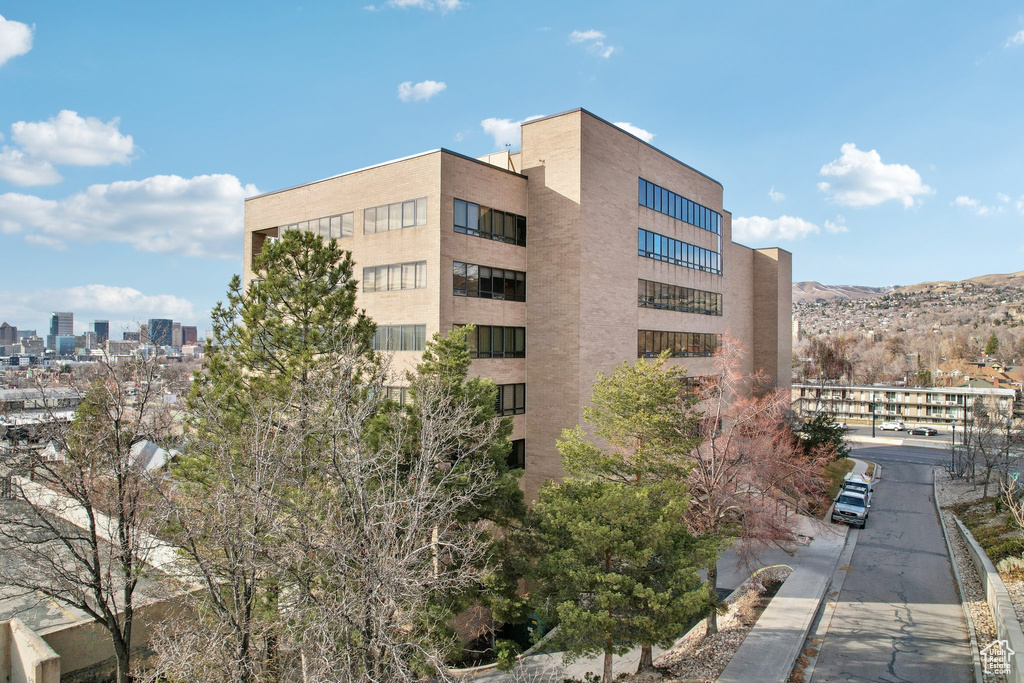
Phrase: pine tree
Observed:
(992, 346)
(615, 563)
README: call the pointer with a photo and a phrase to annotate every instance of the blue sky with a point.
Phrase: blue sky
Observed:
(881, 143)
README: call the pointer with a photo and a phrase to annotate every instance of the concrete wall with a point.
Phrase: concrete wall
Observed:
(25, 657)
(999, 603)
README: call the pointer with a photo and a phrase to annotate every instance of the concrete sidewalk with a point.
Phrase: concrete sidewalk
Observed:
(772, 646)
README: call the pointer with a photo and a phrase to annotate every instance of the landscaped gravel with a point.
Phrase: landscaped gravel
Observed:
(697, 657)
(950, 493)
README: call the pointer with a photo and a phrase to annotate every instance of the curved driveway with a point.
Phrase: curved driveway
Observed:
(898, 617)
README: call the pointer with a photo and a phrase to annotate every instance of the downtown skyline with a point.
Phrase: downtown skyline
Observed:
(878, 144)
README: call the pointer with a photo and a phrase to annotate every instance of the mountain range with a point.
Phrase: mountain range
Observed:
(813, 291)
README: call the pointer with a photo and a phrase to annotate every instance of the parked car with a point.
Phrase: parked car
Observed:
(842, 425)
(859, 484)
(892, 426)
(851, 508)
(924, 431)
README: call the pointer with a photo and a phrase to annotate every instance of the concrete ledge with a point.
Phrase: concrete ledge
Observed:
(975, 649)
(1003, 614)
(24, 656)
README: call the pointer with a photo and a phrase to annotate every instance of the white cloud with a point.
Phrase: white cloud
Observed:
(594, 41)
(861, 179)
(424, 90)
(775, 196)
(23, 171)
(975, 206)
(760, 229)
(837, 226)
(124, 307)
(1019, 205)
(444, 6)
(15, 39)
(67, 138)
(505, 131)
(583, 36)
(1005, 199)
(1016, 39)
(45, 241)
(644, 135)
(200, 216)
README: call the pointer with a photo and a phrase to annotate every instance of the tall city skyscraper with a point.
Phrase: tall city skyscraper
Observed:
(102, 330)
(176, 335)
(160, 331)
(62, 324)
(189, 335)
(8, 334)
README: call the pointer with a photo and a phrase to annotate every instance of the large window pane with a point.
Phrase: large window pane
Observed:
(472, 279)
(408, 214)
(421, 274)
(485, 341)
(382, 279)
(421, 211)
(421, 337)
(382, 219)
(369, 279)
(472, 217)
(471, 341)
(520, 398)
(395, 276)
(510, 342)
(335, 228)
(521, 230)
(346, 224)
(485, 282)
(510, 227)
(408, 276)
(460, 213)
(459, 277)
(394, 217)
(408, 337)
(520, 286)
(485, 221)
(497, 342)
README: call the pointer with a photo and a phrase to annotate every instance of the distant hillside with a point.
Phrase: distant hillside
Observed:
(996, 280)
(812, 291)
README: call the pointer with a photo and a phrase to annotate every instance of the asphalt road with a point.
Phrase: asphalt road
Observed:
(898, 617)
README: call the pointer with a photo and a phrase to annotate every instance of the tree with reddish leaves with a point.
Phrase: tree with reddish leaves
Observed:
(748, 472)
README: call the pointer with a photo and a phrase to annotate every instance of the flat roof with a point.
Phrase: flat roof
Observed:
(441, 150)
(623, 130)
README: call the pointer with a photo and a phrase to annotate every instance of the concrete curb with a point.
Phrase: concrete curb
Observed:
(999, 603)
(975, 650)
(892, 441)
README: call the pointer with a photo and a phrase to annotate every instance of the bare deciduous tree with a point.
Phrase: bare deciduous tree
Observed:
(81, 516)
(748, 472)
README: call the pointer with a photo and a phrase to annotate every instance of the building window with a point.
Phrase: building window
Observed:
(485, 282)
(395, 276)
(400, 338)
(517, 456)
(397, 394)
(481, 221)
(650, 343)
(330, 227)
(671, 204)
(496, 341)
(511, 399)
(673, 298)
(387, 217)
(678, 253)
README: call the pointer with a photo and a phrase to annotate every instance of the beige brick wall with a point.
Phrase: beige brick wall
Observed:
(578, 188)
